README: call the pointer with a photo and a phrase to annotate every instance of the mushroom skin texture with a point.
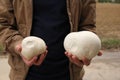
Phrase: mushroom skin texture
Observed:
(32, 46)
(82, 44)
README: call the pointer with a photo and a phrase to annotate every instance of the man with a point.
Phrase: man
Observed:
(50, 20)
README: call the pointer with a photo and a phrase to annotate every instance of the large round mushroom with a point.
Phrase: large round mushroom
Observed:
(82, 44)
(32, 46)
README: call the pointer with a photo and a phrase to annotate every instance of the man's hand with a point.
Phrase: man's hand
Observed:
(78, 62)
(37, 60)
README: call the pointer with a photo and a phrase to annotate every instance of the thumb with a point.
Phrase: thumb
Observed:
(18, 48)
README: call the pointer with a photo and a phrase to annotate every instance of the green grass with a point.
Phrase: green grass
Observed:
(110, 43)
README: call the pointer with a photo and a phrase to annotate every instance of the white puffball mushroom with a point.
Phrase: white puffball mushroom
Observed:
(82, 44)
(32, 46)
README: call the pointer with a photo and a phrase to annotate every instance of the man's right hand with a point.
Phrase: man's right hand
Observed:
(37, 60)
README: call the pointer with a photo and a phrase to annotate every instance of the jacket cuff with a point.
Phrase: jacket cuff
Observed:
(11, 43)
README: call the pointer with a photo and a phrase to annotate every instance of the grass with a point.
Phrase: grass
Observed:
(111, 43)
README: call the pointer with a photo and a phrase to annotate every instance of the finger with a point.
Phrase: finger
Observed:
(18, 48)
(46, 52)
(74, 59)
(40, 59)
(86, 61)
(69, 55)
(66, 53)
(30, 62)
(100, 53)
(77, 61)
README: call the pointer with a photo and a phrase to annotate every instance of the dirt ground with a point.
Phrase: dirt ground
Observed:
(106, 67)
(4, 69)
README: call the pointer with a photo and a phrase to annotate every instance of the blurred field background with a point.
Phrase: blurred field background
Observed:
(108, 24)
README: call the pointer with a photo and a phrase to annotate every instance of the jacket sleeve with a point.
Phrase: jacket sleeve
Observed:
(9, 34)
(88, 15)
